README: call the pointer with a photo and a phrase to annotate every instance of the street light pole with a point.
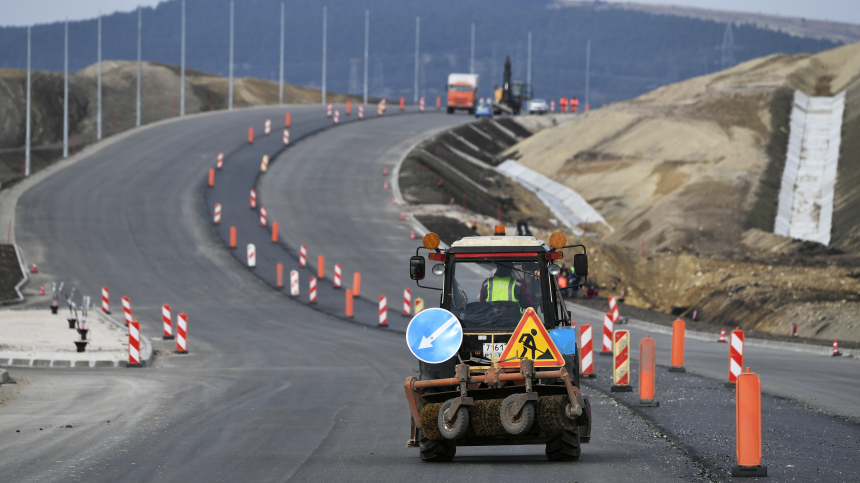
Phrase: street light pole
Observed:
(281, 70)
(139, 39)
(529, 68)
(366, 50)
(472, 62)
(325, 12)
(66, 94)
(417, 42)
(182, 69)
(230, 101)
(587, 70)
(27, 144)
(99, 95)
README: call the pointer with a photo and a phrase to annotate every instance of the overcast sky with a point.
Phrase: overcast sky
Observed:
(24, 12)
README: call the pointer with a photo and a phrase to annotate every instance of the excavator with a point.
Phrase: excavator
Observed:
(512, 95)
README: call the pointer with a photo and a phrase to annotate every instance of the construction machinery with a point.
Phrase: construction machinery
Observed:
(510, 97)
(498, 360)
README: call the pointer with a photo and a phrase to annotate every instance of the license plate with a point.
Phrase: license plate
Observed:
(494, 350)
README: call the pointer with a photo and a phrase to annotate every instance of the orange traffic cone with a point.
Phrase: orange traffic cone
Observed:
(836, 351)
(722, 336)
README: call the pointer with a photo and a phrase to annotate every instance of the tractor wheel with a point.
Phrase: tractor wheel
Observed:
(456, 429)
(564, 445)
(517, 424)
(435, 451)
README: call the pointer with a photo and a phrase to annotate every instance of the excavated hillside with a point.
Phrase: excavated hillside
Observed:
(688, 176)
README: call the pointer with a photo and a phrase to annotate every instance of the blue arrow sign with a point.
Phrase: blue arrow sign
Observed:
(434, 335)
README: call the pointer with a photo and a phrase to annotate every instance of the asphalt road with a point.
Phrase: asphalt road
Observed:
(273, 389)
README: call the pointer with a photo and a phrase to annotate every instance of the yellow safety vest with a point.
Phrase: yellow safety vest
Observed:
(501, 289)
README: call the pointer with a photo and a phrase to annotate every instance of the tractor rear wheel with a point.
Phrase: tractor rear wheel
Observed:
(435, 451)
(564, 445)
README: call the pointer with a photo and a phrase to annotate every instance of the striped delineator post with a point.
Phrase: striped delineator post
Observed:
(421, 104)
(252, 255)
(736, 356)
(608, 327)
(253, 199)
(336, 116)
(286, 137)
(264, 165)
(267, 128)
(328, 110)
(105, 300)
(586, 345)
(294, 283)
(279, 274)
(167, 322)
(126, 309)
(220, 162)
(338, 273)
(312, 290)
(613, 309)
(217, 217)
(303, 256)
(419, 305)
(133, 344)
(361, 112)
(263, 214)
(182, 333)
(383, 311)
(621, 361)
(407, 302)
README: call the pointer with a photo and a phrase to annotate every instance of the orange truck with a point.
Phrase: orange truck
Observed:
(462, 92)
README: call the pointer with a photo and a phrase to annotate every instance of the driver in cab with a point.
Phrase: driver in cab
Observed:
(503, 287)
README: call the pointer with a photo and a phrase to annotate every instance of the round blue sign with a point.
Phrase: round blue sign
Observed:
(434, 335)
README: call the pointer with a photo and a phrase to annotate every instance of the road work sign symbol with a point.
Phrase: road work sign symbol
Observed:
(434, 335)
(531, 341)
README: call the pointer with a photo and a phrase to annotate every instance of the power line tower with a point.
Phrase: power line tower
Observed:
(354, 86)
(727, 59)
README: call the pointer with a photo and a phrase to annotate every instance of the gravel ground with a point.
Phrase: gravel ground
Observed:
(10, 272)
(37, 334)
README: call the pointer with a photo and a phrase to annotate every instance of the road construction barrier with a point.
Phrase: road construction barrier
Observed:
(836, 351)
(126, 310)
(402, 103)
(336, 116)
(613, 309)
(279, 277)
(42, 289)
(252, 255)
(380, 108)
(385, 185)
(421, 104)
(267, 129)
(586, 351)
(251, 135)
(608, 327)
(274, 232)
(294, 283)
(621, 361)
(216, 218)
(321, 267)
(348, 304)
(253, 199)
(383, 311)
(361, 112)
(736, 356)
(182, 333)
(287, 120)
(348, 108)
(647, 372)
(402, 216)
(412, 234)
(105, 300)
(211, 177)
(286, 137)
(748, 426)
(232, 237)
(312, 290)
(678, 335)
(551, 106)
(303, 256)
(220, 161)
(393, 200)
(722, 335)
(133, 344)
(328, 110)
(438, 103)
(263, 216)
(166, 322)
(419, 305)
(356, 284)
(337, 275)
(407, 302)
(264, 165)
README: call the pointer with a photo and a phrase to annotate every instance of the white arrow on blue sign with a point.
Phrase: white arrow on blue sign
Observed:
(434, 335)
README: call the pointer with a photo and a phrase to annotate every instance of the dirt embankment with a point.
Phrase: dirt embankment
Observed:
(160, 99)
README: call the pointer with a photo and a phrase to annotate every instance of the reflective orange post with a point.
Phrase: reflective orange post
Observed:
(647, 372)
(287, 120)
(348, 303)
(348, 108)
(438, 103)
(211, 177)
(320, 267)
(748, 426)
(402, 103)
(356, 284)
(280, 275)
(251, 135)
(274, 231)
(232, 237)
(678, 330)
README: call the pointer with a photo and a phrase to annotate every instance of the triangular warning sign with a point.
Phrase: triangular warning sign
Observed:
(531, 341)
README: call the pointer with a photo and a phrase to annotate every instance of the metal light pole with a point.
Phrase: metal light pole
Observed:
(366, 50)
(27, 143)
(417, 40)
(66, 94)
(529, 68)
(281, 71)
(139, 40)
(99, 94)
(472, 63)
(587, 69)
(182, 68)
(325, 12)
(230, 102)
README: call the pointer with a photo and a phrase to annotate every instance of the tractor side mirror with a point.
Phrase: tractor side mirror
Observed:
(580, 265)
(416, 268)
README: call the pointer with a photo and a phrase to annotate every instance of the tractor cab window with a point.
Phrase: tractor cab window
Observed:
(561, 316)
(494, 294)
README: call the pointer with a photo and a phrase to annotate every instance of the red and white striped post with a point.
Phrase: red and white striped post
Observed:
(252, 255)
(383, 311)
(328, 110)
(312, 290)
(167, 321)
(613, 309)
(621, 362)
(294, 283)
(736, 356)
(608, 325)
(263, 214)
(586, 355)
(126, 309)
(336, 116)
(303, 256)
(267, 128)
(421, 104)
(407, 302)
(361, 112)
(337, 276)
(105, 300)
(182, 333)
(220, 162)
(133, 344)
(286, 137)
(217, 217)
(253, 199)
(264, 165)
